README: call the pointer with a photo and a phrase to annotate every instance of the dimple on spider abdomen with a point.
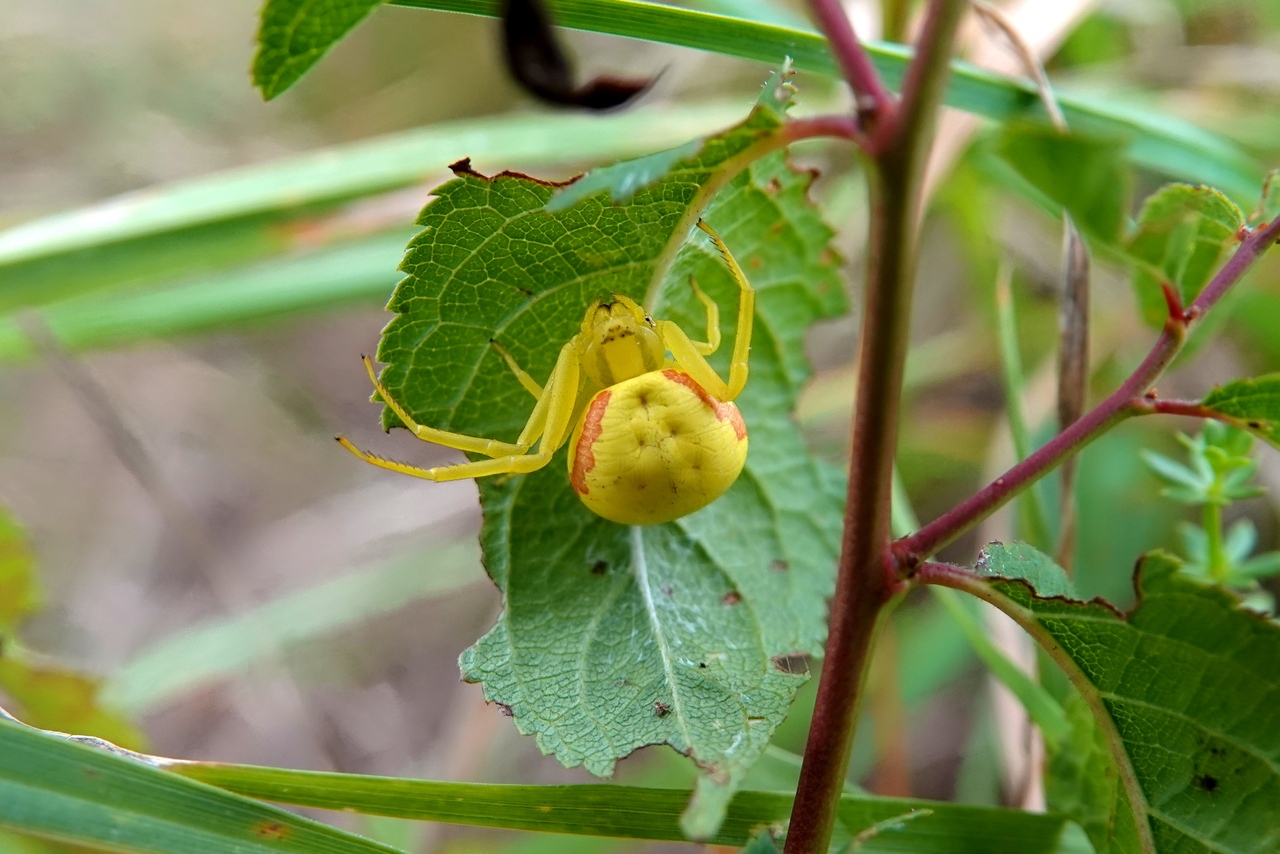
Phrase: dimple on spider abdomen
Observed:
(654, 448)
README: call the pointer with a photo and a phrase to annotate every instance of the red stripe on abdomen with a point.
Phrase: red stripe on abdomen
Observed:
(584, 458)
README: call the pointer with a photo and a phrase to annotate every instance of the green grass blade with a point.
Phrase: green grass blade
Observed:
(359, 271)
(70, 793)
(1041, 707)
(1162, 143)
(638, 813)
(216, 650)
(234, 216)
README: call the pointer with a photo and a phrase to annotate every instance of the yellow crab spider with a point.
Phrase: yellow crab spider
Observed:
(652, 431)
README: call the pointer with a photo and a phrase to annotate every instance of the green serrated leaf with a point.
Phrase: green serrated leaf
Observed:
(294, 34)
(19, 592)
(666, 634)
(1043, 709)
(1252, 404)
(622, 180)
(1183, 232)
(1185, 689)
(1085, 175)
(55, 789)
(1083, 783)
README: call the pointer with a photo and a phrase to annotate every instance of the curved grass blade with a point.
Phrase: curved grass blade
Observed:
(641, 813)
(59, 790)
(1159, 142)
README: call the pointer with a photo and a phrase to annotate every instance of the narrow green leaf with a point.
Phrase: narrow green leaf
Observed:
(1032, 518)
(59, 790)
(1185, 688)
(1156, 140)
(202, 654)
(639, 813)
(19, 592)
(668, 633)
(1041, 707)
(294, 34)
(175, 232)
(1252, 404)
(1087, 176)
(1183, 232)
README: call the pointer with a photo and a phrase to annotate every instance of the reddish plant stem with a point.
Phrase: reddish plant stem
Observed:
(814, 127)
(1124, 402)
(876, 104)
(1190, 408)
(865, 583)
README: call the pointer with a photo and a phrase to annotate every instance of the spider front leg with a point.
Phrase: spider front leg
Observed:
(549, 421)
(689, 355)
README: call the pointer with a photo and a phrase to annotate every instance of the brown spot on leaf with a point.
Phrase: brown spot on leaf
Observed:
(600, 567)
(668, 590)
(779, 565)
(661, 709)
(272, 830)
(733, 597)
(1206, 782)
(505, 710)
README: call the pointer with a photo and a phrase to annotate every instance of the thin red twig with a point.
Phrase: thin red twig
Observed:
(1124, 402)
(876, 104)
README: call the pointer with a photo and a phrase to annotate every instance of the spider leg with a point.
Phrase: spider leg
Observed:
(521, 374)
(713, 321)
(686, 352)
(474, 444)
(550, 421)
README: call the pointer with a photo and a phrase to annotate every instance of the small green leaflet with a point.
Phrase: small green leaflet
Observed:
(1252, 404)
(1183, 233)
(1186, 691)
(615, 638)
(294, 34)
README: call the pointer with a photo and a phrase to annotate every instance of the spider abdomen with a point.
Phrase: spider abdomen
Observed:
(654, 448)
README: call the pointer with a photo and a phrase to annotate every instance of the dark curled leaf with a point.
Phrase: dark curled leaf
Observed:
(536, 61)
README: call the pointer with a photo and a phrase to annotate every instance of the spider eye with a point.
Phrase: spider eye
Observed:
(648, 320)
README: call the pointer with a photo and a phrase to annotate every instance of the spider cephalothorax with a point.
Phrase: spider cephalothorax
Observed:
(652, 432)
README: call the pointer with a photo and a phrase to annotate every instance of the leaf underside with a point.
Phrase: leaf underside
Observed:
(294, 34)
(1253, 404)
(615, 638)
(1189, 684)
